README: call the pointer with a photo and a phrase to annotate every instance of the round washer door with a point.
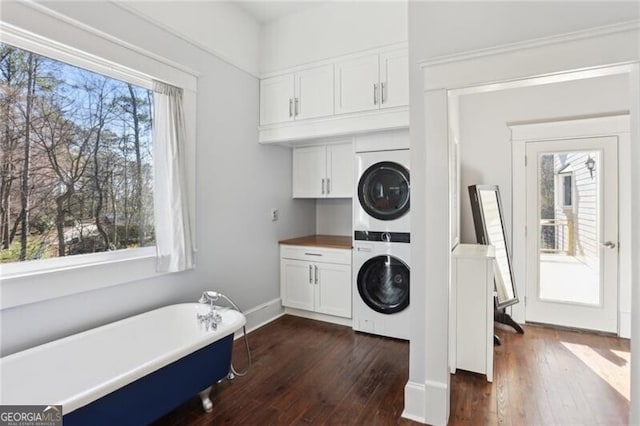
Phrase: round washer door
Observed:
(383, 190)
(383, 284)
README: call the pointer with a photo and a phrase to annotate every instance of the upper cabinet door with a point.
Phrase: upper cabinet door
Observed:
(394, 79)
(314, 93)
(357, 84)
(340, 160)
(309, 172)
(277, 99)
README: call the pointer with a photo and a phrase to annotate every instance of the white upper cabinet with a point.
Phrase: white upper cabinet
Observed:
(356, 93)
(372, 82)
(314, 93)
(309, 172)
(394, 79)
(356, 84)
(276, 99)
(306, 94)
(324, 171)
(340, 160)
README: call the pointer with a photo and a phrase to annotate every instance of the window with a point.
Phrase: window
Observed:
(76, 163)
(567, 189)
(116, 62)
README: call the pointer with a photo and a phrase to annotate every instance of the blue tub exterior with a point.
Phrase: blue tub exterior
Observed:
(150, 397)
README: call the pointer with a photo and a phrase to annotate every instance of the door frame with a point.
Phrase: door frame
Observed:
(435, 120)
(611, 125)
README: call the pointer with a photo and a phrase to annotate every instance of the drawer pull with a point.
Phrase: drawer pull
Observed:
(313, 254)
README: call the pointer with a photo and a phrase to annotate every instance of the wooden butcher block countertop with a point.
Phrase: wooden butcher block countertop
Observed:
(329, 241)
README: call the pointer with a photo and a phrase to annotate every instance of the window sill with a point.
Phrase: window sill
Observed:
(49, 279)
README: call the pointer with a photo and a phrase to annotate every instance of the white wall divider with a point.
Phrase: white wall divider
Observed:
(517, 65)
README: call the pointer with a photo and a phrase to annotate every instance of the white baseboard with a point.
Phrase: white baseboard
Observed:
(414, 402)
(272, 310)
(427, 403)
(624, 328)
(318, 317)
(262, 315)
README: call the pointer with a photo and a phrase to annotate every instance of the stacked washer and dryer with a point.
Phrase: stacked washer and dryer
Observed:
(381, 256)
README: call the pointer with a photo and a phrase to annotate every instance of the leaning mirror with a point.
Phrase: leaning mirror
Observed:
(489, 225)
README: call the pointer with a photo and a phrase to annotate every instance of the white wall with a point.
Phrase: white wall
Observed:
(334, 216)
(446, 27)
(234, 229)
(331, 29)
(485, 139)
(220, 27)
(441, 28)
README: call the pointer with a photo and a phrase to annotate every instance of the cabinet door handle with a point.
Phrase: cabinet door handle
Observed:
(322, 186)
(328, 186)
(382, 94)
(310, 273)
(290, 107)
(316, 268)
(296, 110)
(375, 93)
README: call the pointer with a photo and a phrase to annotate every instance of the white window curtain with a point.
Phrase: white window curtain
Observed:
(174, 242)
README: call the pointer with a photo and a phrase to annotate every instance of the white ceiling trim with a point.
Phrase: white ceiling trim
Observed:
(533, 43)
(89, 29)
(184, 38)
(493, 68)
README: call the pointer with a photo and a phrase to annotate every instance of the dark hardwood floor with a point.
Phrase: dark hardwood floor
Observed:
(547, 377)
(307, 371)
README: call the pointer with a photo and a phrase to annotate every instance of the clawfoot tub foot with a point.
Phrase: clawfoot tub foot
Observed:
(206, 402)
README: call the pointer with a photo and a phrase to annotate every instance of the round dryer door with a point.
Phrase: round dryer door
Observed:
(383, 284)
(383, 190)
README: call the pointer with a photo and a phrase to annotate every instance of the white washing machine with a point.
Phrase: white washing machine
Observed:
(381, 283)
(382, 198)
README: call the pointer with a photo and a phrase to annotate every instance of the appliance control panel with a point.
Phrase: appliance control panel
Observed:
(387, 237)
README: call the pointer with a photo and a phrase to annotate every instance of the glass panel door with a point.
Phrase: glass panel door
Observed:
(572, 233)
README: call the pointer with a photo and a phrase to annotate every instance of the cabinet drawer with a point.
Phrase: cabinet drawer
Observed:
(316, 254)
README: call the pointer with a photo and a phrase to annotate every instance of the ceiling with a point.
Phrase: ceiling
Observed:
(265, 11)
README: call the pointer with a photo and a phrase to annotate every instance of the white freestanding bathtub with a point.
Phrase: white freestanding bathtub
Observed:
(128, 372)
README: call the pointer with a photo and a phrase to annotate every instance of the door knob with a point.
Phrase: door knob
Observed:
(609, 244)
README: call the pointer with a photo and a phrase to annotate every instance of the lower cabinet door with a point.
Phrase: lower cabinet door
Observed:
(297, 284)
(333, 290)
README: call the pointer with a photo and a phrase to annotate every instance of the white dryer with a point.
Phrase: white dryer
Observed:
(383, 191)
(381, 283)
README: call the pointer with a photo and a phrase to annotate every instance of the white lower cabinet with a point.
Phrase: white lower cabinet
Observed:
(471, 310)
(316, 279)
